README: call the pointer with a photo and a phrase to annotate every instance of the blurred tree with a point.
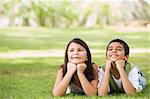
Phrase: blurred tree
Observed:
(135, 10)
(105, 8)
(68, 13)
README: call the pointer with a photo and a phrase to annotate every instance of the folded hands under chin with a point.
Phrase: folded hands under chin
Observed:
(120, 63)
(79, 67)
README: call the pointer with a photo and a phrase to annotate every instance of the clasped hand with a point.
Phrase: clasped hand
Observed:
(119, 64)
(71, 67)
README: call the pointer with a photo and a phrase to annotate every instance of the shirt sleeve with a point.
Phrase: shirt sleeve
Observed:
(137, 79)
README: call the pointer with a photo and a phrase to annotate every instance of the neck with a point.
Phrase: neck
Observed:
(114, 71)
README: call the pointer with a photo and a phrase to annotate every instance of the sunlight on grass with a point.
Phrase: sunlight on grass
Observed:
(33, 76)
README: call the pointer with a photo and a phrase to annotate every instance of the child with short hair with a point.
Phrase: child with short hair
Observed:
(119, 75)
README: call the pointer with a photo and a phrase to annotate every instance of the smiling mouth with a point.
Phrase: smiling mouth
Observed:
(114, 55)
(75, 58)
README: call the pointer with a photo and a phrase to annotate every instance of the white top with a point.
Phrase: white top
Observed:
(135, 76)
(75, 89)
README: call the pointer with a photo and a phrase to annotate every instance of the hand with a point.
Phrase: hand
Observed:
(120, 64)
(71, 67)
(108, 64)
(81, 67)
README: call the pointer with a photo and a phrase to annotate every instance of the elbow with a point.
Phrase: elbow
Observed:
(92, 93)
(130, 93)
(102, 92)
(56, 93)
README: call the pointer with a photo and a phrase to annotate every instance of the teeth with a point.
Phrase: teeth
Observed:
(76, 58)
(113, 55)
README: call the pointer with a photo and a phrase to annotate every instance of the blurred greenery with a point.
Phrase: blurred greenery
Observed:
(68, 13)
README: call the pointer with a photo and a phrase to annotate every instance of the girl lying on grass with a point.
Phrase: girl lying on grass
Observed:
(119, 76)
(78, 74)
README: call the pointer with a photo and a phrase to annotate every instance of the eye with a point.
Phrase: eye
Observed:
(110, 49)
(71, 50)
(80, 50)
(119, 49)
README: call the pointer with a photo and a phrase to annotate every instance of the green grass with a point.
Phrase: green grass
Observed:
(33, 78)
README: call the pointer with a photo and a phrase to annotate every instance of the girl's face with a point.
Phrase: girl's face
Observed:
(76, 53)
(115, 52)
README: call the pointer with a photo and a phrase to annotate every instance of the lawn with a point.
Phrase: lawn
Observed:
(33, 77)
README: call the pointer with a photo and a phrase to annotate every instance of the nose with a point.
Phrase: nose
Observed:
(114, 50)
(76, 52)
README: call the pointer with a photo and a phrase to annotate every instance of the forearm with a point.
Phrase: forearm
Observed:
(103, 88)
(88, 88)
(61, 87)
(128, 87)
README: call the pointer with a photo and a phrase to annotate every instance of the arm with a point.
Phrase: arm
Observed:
(62, 83)
(103, 88)
(90, 88)
(128, 87)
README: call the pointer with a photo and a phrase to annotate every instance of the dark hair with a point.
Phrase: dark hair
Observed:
(89, 70)
(123, 43)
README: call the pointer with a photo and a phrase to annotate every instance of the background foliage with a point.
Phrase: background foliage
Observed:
(68, 13)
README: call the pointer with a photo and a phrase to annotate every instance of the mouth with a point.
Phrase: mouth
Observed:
(75, 58)
(114, 55)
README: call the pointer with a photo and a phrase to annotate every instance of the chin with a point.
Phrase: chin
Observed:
(113, 60)
(77, 62)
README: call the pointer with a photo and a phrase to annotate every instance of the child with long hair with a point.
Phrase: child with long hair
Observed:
(78, 74)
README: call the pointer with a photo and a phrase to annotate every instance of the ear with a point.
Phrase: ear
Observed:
(126, 58)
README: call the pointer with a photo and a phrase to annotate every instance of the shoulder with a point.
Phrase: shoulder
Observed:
(100, 71)
(94, 65)
(132, 65)
(101, 68)
(135, 68)
(137, 78)
(60, 70)
(136, 71)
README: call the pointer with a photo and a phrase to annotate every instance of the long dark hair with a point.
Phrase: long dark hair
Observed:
(89, 69)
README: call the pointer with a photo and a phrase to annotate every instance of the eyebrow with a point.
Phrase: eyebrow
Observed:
(116, 47)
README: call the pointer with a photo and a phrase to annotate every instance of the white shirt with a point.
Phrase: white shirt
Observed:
(135, 77)
(73, 88)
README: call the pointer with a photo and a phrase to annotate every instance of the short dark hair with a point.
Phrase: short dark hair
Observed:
(123, 43)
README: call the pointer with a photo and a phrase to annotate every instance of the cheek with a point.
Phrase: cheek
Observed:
(69, 56)
(107, 54)
(84, 56)
(122, 54)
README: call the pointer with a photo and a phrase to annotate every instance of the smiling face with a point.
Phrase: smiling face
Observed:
(76, 53)
(115, 51)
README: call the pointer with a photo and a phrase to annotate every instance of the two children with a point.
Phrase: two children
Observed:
(79, 75)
